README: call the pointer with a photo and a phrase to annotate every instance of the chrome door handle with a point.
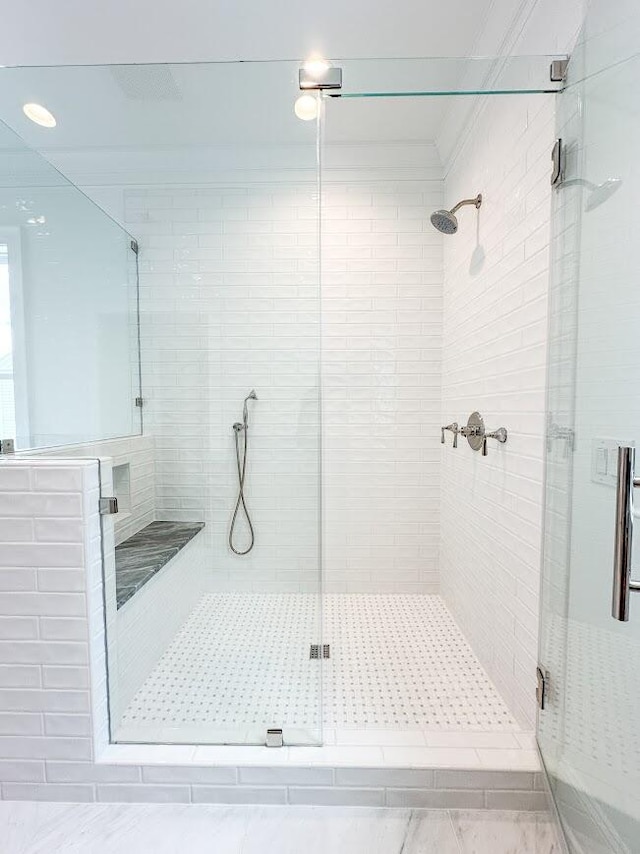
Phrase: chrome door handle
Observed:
(623, 585)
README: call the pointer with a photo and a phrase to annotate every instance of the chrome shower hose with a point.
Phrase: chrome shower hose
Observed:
(240, 503)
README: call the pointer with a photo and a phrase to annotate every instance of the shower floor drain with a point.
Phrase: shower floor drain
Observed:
(314, 651)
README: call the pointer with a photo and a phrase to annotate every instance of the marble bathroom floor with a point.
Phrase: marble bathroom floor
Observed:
(45, 828)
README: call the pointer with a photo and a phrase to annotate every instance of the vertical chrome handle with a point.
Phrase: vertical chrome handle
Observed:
(623, 586)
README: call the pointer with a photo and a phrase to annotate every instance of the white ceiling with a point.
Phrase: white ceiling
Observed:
(46, 32)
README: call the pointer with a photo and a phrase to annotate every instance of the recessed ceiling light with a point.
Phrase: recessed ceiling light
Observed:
(40, 115)
(306, 108)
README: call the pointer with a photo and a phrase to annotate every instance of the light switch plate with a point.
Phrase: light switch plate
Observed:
(604, 459)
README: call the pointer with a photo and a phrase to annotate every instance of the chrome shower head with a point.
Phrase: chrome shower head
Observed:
(446, 221)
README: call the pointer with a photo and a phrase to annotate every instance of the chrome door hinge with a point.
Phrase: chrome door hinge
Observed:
(558, 70)
(108, 506)
(140, 402)
(274, 738)
(557, 158)
(542, 677)
(134, 246)
(7, 446)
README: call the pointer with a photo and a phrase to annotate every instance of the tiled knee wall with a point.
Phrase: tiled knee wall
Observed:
(50, 578)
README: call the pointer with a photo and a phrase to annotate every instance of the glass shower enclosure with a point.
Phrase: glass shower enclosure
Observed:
(69, 362)
(221, 184)
(589, 648)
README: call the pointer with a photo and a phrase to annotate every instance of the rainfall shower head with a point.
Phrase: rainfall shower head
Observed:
(446, 221)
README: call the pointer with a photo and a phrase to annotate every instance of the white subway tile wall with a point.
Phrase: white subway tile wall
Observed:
(494, 354)
(382, 346)
(44, 647)
(229, 295)
(230, 301)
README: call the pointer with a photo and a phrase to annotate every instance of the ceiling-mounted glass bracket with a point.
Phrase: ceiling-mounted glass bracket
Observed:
(558, 70)
(320, 78)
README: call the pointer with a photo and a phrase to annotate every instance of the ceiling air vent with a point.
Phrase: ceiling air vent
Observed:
(146, 82)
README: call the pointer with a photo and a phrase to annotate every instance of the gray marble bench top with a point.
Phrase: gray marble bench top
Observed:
(140, 557)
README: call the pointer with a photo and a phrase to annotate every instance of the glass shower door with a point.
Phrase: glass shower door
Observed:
(590, 659)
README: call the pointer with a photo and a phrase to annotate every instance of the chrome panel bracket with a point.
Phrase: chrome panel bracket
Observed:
(274, 738)
(565, 434)
(7, 446)
(558, 70)
(623, 584)
(108, 506)
(328, 78)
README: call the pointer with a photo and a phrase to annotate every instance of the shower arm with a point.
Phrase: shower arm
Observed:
(475, 202)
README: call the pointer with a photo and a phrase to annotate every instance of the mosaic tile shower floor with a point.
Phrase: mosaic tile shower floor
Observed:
(241, 663)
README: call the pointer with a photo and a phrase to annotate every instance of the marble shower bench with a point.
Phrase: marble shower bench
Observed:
(144, 554)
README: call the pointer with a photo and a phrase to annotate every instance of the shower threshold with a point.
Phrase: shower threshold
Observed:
(469, 775)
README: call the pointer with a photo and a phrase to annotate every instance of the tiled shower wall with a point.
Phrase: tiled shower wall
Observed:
(495, 327)
(382, 341)
(230, 301)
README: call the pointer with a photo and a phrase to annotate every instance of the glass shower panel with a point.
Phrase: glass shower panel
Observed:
(210, 168)
(69, 366)
(442, 76)
(587, 730)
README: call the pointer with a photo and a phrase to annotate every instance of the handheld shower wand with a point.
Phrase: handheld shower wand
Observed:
(242, 427)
